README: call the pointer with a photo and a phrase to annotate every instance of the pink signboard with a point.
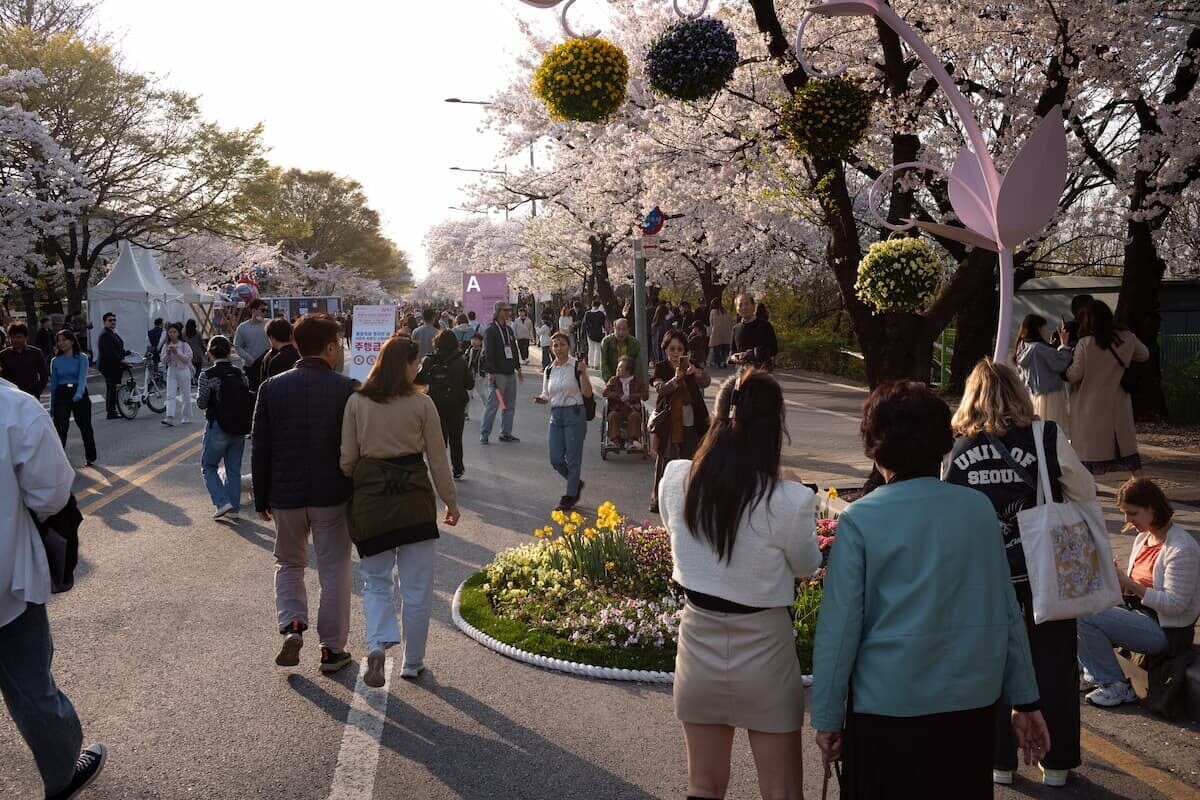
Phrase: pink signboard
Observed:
(481, 292)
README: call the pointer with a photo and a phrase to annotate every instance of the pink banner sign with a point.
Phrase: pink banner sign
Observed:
(481, 292)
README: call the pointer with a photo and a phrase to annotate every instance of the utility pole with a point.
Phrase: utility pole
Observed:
(641, 323)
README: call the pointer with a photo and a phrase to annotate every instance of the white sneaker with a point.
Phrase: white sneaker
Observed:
(222, 510)
(1054, 777)
(374, 675)
(410, 671)
(1112, 695)
(1086, 684)
(634, 445)
(1002, 777)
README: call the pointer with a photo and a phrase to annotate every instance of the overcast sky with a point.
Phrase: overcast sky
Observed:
(355, 86)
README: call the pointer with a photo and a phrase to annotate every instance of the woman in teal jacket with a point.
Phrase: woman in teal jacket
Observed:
(919, 634)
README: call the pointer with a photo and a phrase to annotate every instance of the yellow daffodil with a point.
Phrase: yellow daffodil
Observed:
(608, 566)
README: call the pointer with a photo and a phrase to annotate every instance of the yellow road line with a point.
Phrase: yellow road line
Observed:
(126, 473)
(140, 480)
(1136, 768)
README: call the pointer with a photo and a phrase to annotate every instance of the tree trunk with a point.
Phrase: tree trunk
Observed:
(974, 331)
(599, 252)
(29, 300)
(896, 349)
(1137, 307)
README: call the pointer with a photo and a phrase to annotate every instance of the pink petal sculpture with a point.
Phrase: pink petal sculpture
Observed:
(566, 26)
(999, 211)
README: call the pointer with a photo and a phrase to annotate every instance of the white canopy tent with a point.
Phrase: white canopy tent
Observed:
(177, 307)
(136, 295)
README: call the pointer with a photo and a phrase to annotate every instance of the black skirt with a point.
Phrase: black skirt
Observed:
(929, 757)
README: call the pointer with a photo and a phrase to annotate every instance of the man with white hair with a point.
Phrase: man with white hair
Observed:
(501, 365)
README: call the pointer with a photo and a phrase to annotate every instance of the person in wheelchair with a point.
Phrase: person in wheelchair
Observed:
(624, 394)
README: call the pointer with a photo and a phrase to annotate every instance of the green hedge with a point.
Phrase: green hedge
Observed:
(820, 352)
(476, 609)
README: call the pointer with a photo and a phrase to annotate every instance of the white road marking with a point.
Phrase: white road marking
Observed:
(354, 777)
(815, 410)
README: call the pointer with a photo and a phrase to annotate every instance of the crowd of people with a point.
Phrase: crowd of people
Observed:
(929, 664)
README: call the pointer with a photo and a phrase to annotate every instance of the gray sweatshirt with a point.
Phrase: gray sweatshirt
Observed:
(1041, 366)
(250, 340)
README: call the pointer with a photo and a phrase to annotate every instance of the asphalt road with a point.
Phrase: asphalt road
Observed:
(166, 647)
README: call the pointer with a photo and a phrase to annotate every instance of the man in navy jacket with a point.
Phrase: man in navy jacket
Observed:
(295, 445)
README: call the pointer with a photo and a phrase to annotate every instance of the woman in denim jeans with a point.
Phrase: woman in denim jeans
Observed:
(1161, 585)
(564, 385)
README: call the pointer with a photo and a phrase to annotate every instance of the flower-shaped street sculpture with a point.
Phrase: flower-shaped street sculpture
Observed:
(998, 211)
(566, 6)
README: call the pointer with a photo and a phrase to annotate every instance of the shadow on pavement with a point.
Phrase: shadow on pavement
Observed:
(521, 764)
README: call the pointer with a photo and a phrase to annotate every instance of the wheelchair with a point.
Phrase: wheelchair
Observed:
(608, 445)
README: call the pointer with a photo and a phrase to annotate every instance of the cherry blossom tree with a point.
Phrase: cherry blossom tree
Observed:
(41, 189)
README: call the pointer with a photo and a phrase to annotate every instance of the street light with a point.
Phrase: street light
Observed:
(503, 172)
(532, 201)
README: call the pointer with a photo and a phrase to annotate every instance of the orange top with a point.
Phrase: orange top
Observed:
(1143, 565)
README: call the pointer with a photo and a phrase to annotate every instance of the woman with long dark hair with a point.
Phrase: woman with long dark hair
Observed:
(68, 393)
(720, 333)
(1102, 430)
(176, 356)
(660, 322)
(680, 418)
(1042, 367)
(919, 636)
(740, 536)
(388, 430)
(191, 335)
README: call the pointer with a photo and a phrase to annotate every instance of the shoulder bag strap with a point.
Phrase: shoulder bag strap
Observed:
(1117, 356)
(1044, 490)
(1012, 462)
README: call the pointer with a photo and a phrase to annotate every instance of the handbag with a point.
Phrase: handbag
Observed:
(1066, 552)
(1130, 380)
(589, 403)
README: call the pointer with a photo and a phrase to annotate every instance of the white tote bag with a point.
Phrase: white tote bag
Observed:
(1070, 564)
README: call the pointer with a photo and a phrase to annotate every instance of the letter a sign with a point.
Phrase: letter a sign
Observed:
(481, 292)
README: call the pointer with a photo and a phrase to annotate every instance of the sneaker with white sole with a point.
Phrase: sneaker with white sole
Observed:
(1054, 777)
(374, 677)
(1112, 695)
(1086, 684)
(222, 510)
(1002, 777)
(411, 671)
(87, 769)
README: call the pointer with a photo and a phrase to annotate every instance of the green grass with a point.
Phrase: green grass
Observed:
(476, 610)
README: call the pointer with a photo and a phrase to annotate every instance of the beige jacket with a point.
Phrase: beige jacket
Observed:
(404, 425)
(1101, 412)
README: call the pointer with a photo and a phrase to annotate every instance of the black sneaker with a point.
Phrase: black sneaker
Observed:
(458, 473)
(87, 769)
(508, 438)
(332, 662)
(565, 503)
(289, 653)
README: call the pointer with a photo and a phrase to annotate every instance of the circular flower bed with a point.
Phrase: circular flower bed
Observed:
(582, 80)
(899, 275)
(826, 118)
(596, 592)
(692, 59)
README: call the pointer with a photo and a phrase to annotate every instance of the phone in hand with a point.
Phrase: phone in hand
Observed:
(685, 363)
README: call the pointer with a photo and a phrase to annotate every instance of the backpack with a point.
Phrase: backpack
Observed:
(235, 403)
(593, 323)
(437, 377)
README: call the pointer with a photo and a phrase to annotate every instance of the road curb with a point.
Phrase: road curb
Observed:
(557, 664)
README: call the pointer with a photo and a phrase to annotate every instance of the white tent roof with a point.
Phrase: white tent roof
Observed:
(137, 293)
(128, 281)
(193, 293)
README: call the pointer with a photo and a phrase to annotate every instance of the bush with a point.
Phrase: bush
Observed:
(819, 351)
(582, 80)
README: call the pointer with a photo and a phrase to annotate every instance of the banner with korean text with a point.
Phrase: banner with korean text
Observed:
(373, 325)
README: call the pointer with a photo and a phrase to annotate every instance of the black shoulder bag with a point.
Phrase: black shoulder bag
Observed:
(589, 403)
(1130, 380)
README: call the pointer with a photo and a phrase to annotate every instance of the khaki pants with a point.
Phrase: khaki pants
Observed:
(624, 422)
(331, 542)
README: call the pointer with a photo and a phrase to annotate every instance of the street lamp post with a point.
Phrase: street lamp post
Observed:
(503, 172)
(532, 201)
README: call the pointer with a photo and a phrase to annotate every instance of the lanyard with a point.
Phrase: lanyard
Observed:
(503, 333)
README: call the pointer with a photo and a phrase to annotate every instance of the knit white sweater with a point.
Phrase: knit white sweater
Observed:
(776, 543)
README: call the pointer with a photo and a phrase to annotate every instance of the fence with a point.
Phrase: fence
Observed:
(1180, 357)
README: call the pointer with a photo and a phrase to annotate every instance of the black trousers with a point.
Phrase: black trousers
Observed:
(112, 380)
(1054, 648)
(453, 415)
(64, 406)
(523, 348)
(254, 373)
(932, 756)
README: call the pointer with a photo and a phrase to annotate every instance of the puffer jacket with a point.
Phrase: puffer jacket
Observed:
(297, 438)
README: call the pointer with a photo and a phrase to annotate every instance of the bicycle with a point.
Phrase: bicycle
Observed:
(152, 393)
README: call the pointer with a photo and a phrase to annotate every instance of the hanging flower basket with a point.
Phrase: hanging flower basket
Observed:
(826, 118)
(692, 59)
(899, 275)
(582, 80)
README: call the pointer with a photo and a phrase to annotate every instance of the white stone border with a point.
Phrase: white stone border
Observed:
(546, 662)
